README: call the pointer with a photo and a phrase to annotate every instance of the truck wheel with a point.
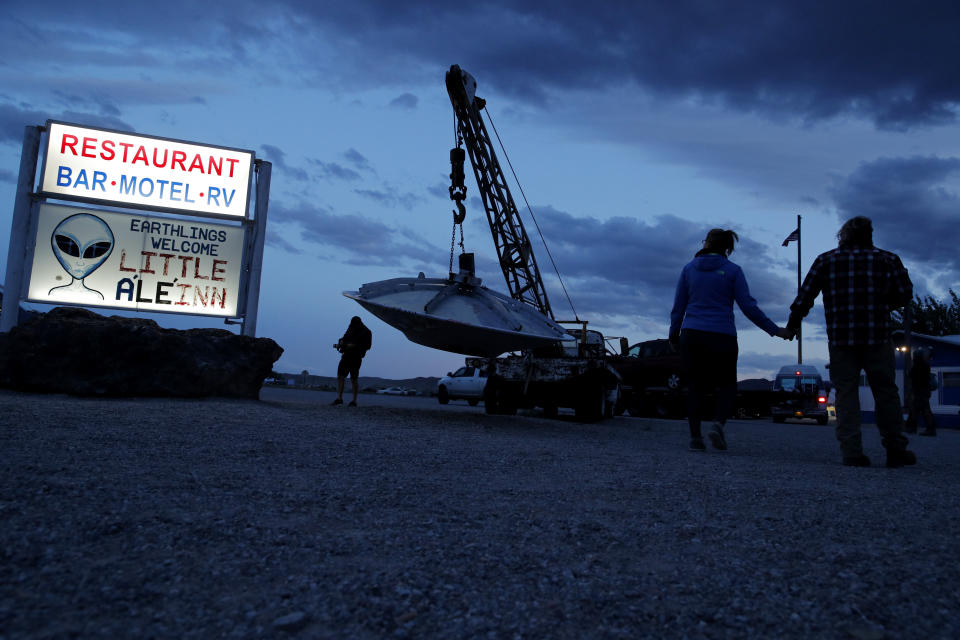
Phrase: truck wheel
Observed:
(490, 399)
(778, 419)
(442, 395)
(497, 400)
(609, 408)
(473, 402)
(593, 403)
(822, 419)
(550, 411)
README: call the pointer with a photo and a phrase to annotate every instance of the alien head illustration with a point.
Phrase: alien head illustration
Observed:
(81, 243)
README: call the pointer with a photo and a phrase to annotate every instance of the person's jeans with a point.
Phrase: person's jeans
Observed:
(877, 361)
(710, 363)
(921, 409)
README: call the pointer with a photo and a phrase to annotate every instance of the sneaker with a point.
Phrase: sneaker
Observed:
(717, 438)
(352, 404)
(337, 401)
(897, 458)
(696, 444)
(857, 461)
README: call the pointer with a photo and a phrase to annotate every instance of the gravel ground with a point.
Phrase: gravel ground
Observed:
(290, 518)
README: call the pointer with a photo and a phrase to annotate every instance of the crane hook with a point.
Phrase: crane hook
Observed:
(458, 190)
(460, 214)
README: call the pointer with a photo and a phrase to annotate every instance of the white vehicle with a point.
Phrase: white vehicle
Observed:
(396, 391)
(466, 383)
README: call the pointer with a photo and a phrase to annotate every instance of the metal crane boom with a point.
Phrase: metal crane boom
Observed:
(509, 236)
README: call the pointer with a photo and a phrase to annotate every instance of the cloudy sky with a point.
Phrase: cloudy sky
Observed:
(633, 127)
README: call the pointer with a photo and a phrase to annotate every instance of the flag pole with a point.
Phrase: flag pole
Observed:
(799, 326)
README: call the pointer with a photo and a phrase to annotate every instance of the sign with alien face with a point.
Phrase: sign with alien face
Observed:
(137, 262)
(122, 169)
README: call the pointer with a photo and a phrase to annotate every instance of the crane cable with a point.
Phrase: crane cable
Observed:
(532, 217)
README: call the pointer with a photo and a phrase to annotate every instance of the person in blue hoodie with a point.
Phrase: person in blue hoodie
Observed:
(701, 322)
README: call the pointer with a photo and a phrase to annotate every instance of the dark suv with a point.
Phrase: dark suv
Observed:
(653, 380)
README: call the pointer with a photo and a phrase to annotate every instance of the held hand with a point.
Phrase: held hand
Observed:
(786, 334)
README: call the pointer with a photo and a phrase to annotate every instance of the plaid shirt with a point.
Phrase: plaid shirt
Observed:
(860, 287)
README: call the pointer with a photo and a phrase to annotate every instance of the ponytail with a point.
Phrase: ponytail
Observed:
(720, 241)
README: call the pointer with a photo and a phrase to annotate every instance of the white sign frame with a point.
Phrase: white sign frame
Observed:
(117, 168)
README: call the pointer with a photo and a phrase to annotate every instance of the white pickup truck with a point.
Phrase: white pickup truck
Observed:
(466, 383)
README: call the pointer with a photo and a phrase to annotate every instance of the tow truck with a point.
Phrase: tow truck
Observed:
(573, 375)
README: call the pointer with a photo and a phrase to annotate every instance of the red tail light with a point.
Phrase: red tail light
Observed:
(821, 400)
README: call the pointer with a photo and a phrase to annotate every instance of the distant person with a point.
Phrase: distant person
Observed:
(920, 384)
(702, 323)
(353, 346)
(861, 285)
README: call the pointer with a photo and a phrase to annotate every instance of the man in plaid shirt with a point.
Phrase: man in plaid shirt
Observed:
(861, 285)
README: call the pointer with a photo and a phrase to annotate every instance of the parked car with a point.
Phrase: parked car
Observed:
(659, 365)
(397, 391)
(466, 383)
(652, 379)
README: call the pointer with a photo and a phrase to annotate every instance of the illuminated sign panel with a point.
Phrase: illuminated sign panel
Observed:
(139, 262)
(145, 172)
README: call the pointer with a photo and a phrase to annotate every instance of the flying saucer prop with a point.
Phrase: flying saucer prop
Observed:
(457, 314)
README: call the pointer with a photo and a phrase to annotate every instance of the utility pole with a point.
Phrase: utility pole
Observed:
(800, 326)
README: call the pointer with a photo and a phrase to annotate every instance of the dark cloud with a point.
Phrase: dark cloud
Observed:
(104, 104)
(357, 159)
(14, 119)
(892, 63)
(276, 239)
(334, 170)
(365, 241)
(404, 101)
(278, 158)
(95, 120)
(625, 265)
(440, 190)
(390, 197)
(913, 203)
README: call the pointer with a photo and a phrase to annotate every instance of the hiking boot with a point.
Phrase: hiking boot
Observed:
(337, 401)
(897, 458)
(717, 439)
(928, 432)
(856, 461)
(696, 444)
(353, 403)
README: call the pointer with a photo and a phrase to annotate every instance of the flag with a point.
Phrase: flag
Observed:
(793, 236)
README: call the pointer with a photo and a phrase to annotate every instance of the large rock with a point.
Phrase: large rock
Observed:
(75, 351)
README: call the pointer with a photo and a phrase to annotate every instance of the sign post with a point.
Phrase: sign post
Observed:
(256, 240)
(16, 253)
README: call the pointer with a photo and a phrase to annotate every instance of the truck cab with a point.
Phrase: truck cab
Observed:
(800, 392)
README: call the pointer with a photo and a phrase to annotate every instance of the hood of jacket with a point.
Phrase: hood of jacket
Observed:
(708, 261)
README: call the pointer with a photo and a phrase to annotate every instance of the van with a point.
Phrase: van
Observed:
(800, 392)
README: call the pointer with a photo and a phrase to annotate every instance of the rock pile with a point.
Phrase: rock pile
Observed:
(75, 351)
